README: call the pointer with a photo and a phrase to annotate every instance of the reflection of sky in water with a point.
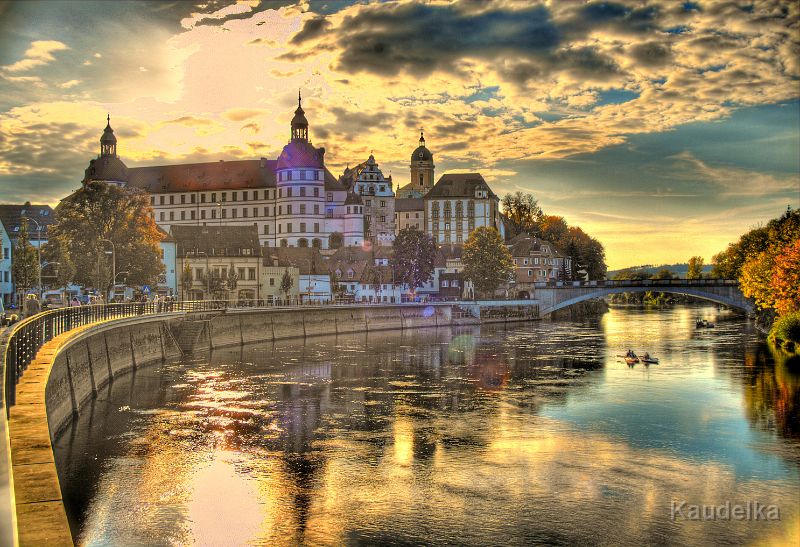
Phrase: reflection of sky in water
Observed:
(680, 405)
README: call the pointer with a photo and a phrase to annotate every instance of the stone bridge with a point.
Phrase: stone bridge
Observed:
(555, 296)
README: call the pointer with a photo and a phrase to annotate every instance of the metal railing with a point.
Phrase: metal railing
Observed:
(29, 335)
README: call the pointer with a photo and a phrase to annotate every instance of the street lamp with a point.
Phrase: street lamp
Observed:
(114, 285)
(38, 251)
(113, 260)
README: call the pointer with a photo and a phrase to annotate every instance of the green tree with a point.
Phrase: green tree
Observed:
(487, 261)
(59, 269)
(414, 253)
(663, 273)
(336, 240)
(25, 260)
(122, 215)
(286, 283)
(186, 278)
(695, 268)
(523, 212)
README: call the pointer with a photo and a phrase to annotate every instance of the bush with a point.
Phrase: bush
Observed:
(786, 330)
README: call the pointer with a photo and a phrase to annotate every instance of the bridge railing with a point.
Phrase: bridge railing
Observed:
(638, 283)
(29, 335)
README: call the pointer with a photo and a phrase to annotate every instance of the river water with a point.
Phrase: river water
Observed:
(532, 434)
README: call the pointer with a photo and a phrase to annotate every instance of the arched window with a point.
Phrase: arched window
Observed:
(284, 243)
(302, 242)
(316, 243)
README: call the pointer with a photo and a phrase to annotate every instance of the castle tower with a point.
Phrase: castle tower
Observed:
(422, 167)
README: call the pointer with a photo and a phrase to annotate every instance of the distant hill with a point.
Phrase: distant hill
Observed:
(678, 269)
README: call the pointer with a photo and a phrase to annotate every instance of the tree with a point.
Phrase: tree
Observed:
(785, 282)
(121, 215)
(523, 212)
(663, 273)
(487, 261)
(186, 278)
(336, 240)
(58, 268)
(25, 260)
(286, 283)
(414, 253)
(554, 229)
(695, 268)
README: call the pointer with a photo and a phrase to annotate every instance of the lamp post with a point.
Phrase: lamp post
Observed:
(38, 252)
(114, 285)
(113, 260)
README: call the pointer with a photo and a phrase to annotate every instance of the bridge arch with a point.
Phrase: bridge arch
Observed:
(586, 293)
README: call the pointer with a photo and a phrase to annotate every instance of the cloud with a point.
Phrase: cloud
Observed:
(241, 114)
(190, 121)
(39, 53)
(69, 84)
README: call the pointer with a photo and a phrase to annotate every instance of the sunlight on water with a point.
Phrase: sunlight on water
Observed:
(537, 433)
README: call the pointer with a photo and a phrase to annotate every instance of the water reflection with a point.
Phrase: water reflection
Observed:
(532, 434)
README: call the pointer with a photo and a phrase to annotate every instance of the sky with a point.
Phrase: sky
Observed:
(664, 129)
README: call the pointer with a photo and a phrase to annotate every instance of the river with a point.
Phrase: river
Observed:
(534, 433)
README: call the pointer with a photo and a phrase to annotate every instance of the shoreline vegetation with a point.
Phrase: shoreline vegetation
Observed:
(766, 261)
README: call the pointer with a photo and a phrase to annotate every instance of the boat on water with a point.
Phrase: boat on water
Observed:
(649, 360)
(704, 324)
(631, 360)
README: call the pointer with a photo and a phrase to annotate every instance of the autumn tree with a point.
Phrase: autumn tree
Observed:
(785, 282)
(123, 216)
(336, 240)
(695, 268)
(554, 229)
(487, 261)
(414, 253)
(25, 260)
(523, 212)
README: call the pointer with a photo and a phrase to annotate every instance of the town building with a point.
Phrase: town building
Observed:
(367, 180)
(409, 213)
(293, 201)
(537, 260)
(168, 281)
(366, 275)
(39, 217)
(312, 284)
(458, 204)
(218, 262)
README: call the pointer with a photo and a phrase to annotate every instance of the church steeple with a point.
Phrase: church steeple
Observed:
(108, 142)
(421, 138)
(299, 122)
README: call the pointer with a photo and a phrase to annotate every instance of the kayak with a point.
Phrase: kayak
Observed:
(631, 360)
(649, 360)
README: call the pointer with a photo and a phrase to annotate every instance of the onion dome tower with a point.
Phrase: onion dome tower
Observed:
(422, 167)
(107, 167)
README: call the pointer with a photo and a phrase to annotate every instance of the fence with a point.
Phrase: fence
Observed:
(29, 335)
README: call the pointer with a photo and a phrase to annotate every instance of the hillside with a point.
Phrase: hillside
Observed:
(679, 269)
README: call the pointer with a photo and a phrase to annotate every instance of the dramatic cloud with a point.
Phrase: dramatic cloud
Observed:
(40, 53)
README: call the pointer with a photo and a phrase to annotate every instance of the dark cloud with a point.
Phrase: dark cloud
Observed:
(652, 54)
(312, 28)
(419, 38)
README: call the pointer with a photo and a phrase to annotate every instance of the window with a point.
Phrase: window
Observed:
(289, 227)
(383, 203)
(172, 200)
(213, 213)
(515, 261)
(224, 196)
(288, 192)
(383, 218)
(152, 200)
(368, 203)
(244, 195)
(303, 190)
(289, 209)
(316, 192)
(203, 214)
(302, 226)
(213, 197)
(302, 174)
(445, 283)
(224, 213)
(6, 249)
(233, 213)
(255, 211)
(251, 274)
(316, 176)
(193, 198)
(266, 211)
(183, 215)
(240, 273)
(161, 216)
(302, 208)
(198, 274)
(172, 215)
(330, 196)
(161, 200)
(455, 283)
(525, 261)
(202, 198)
(271, 281)
(183, 199)
(316, 227)
(288, 175)
(266, 229)
(316, 209)
(530, 272)
(280, 210)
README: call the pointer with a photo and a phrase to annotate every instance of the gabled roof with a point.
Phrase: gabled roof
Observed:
(307, 260)
(10, 216)
(524, 244)
(459, 185)
(198, 177)
(403, 205)
(216, 241)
